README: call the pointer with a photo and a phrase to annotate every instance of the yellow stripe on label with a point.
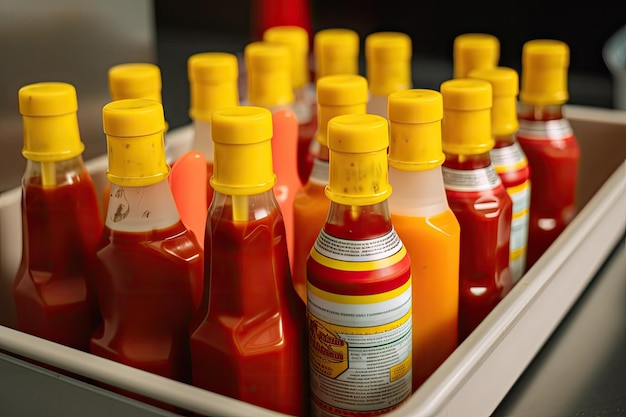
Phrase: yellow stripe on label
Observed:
(401, 369)
(373, 329)
(518, 188)
(359, 299)
(360, 265)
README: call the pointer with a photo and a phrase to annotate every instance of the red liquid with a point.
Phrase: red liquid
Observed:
(484, 274)
(306, 134)
(209, 189)
(54, 288)
(145, 291)
(554, 177)
(251, 342)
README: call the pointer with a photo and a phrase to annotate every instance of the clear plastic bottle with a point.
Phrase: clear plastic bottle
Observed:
(151, 275)
(359, 281)
(426, 225)
(472, 51)
(388, 67)
(478, 199)
(54, 289)
(248, 340)
(548, 141)
(509, 159)
(336, 95)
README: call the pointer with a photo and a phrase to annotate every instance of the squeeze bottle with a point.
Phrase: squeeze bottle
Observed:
(472, 51)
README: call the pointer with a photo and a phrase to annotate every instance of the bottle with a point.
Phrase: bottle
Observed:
(426, 225)
(269, 86)
(478, 199)
(266, 14)
(335, 52)
(150, 279)
(297, 39)
(358, 281)
(388, 67)
(54, 289)
(213, 84)
(336, 95)
(548, 141)
(472, 51)
(248, 340)
(508, 158)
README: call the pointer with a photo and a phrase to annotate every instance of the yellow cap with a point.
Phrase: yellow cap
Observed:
(466, 123)
(243, 150)
(388, 62)
(544, 72)
(337, 95)
(49, 121)
(297, 39)
(134, 130)
(213, 80)
(268, 67)
(415, 129)
(358, 172)
(336, 52)
(135, 80)
(505, 86)
(474, 51)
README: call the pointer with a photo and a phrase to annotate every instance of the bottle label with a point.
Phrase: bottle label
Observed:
(319, 173)
(481, 179)
(520, 196)
(544, 130)
(508, 158)
(360, 346)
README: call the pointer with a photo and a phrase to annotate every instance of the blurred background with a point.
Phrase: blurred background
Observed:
(77, 41)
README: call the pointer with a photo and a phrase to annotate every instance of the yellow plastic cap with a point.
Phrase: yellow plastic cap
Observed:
(358, 172)
(268, 68)
(297, 39)
(466, 123)
(474, 51)
(135, 80)
(338, 95)
(388, 62)
(415, 129)
(49, 121)
(544, 72)
(336, 52)
(213, 78)
(505, 85)
(134, 130)
(243, 150)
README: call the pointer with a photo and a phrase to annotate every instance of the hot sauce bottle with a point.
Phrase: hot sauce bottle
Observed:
(248, 339)
(150, 279)
(358, 281)
(336, 95)
(548, 142)
(471, 51)
(388, 67)
(213, 84)
(509, 160)
(54, 289)
(297, 39)
(426, 225)
(478, 199)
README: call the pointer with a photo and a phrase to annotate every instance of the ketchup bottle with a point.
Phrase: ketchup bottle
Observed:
(477, 197)
(359, 281)
(472, 51)
(426, 224)
(150, 279)
(548, 141)
(248, 339)
(54, 289)
(336, 95)
(388, 67)
(297, 39)
(509, 159)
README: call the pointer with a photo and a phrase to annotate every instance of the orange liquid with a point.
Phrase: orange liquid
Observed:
(433, 244)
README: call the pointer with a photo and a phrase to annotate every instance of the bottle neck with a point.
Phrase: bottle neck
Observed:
(141, 209)
(503, 141)
(302, 104)
(539, 113)
(202, 139)
(243, 208)
(54, 173)
(417, 193)
(358, 222)
(467, 162)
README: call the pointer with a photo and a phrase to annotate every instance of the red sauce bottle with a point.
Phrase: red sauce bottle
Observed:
(359, 282)
(150, 279)
(509, 160)
(248, 339)
(548, 142)
(477, 197)
(54, 289)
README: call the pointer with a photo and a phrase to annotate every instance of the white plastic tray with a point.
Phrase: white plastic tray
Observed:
(477, 376)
